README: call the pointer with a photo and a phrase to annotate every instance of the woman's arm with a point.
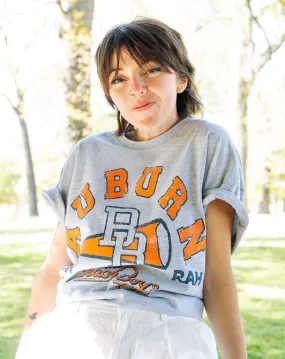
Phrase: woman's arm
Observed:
(220, 291)
(44, 285)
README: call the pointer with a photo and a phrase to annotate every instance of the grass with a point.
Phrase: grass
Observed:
(259, 265)
(9, 232)
(18, 265)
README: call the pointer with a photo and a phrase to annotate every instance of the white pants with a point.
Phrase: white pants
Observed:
(92, 330)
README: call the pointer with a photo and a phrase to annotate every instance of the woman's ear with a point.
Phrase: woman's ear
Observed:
(182, 83)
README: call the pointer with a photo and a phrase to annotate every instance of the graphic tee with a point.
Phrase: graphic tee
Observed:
(134, 215)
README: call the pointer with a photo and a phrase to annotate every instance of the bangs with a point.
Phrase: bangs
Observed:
(141, 45)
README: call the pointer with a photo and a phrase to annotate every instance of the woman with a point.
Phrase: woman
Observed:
(148, 218)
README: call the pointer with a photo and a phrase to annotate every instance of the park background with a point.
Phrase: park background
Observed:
(50, 97)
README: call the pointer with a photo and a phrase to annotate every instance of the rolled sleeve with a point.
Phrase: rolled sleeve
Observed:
(224, 180)
(57, 197)
(53, 198)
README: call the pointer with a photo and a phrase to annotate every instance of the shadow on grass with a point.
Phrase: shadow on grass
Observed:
(16, 275)
(8, 347)
(260, 252)
(264, 336)
(11, 232)
(28, 259)
(259, 265)
(258, 268)
(12, 323)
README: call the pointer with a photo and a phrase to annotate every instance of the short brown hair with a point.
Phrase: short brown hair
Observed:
(148, 39)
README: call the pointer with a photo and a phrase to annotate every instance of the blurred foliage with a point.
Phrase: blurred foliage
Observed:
(277, 173)
(78, 37)
(9, 178)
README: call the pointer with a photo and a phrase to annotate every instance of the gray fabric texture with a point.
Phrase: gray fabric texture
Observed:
(134, 214)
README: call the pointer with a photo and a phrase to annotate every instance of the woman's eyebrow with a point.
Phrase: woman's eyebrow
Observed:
(114, 70)
(147, 63)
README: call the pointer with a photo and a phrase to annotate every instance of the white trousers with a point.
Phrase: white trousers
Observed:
(92, 330)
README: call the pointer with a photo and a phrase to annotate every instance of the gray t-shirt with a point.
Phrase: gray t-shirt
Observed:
(134, 214)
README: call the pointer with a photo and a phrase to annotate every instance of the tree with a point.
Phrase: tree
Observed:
(277, 175)
(76, 32)
(250, 20)
(18, 109)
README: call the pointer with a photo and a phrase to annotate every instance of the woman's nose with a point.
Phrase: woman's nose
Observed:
(137, 86)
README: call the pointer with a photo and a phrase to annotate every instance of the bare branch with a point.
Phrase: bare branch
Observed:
(267, 55)
(58, 2)
(209, 22)
(271, 48)
(267, 8)
(5, 37)
(256, 20)
(11, 104)
(12, 70)
(251, 32)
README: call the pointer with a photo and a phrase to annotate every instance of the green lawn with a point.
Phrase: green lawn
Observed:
(259, 266)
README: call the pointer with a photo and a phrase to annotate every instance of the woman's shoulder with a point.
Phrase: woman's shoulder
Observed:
(97, 139)
(206, 127)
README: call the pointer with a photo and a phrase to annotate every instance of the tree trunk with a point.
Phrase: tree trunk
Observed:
(245, 84)
(243, 109)
(77, 34)
(32, 194)
(266, 190)
(264, 204)
(19, 111)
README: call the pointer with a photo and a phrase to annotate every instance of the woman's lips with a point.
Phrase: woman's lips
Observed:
(144, 107)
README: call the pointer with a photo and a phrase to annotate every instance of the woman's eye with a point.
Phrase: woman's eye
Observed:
(116, 80)
(153, 71)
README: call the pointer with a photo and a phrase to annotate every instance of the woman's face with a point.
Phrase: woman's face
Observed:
(146, 97)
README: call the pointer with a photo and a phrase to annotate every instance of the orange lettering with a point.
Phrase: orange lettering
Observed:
(73, 236)
(90, 200)
(91, 248)
(173, 194)
(152, 256)
(113, 183)
(148, 192)
(194, 232)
